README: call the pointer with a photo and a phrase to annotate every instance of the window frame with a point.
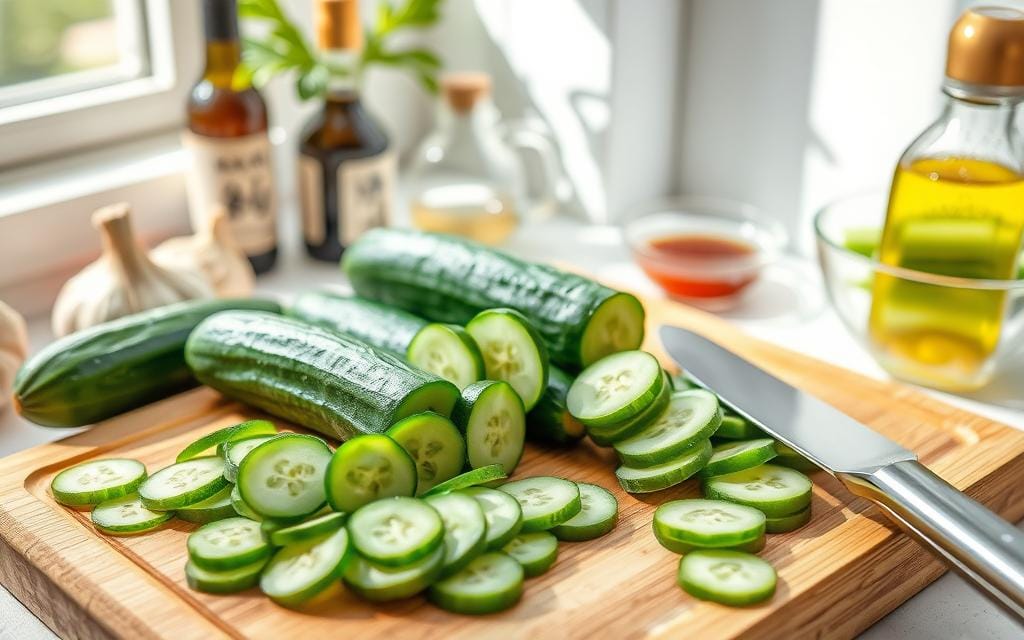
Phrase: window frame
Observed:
(115, 111)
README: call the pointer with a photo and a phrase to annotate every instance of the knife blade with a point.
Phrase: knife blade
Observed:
(981, 546)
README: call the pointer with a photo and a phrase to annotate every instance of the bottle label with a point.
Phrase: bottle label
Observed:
(365, 194)
(235, 173)
(311, 199)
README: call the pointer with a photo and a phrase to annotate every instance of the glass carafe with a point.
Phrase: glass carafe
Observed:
(467, 178)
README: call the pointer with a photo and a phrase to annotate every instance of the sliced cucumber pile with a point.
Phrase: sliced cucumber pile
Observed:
(435, 445)
(491, 415)
(513, 351)
(665, 475)
(97, 481)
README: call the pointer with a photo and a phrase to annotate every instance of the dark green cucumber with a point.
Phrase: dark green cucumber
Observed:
(314, 377)
(117, 366)
(449, 279)
(550, 420)
(376, 324)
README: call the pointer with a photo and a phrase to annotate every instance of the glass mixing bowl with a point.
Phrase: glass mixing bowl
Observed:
(945, 332)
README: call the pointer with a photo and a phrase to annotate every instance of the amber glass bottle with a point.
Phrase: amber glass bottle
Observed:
(346, 173)
(228, 143)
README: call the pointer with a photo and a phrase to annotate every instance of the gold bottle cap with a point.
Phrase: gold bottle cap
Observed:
(338, 26)
(463, 90)
(986, 52)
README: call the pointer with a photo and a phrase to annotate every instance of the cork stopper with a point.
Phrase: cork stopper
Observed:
(337, 25)
(986, 49)
(463, 90)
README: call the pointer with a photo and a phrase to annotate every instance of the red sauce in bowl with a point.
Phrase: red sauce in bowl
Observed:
(695, 265)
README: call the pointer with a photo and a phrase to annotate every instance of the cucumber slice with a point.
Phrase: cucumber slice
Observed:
(776, 491)
(241, 508)
(492, 582)
(300, 571)
(615, 388)
(378, 583)
(435, 445)
(368, 468)
(216, 507)
(183, 483)
(490, 414)
(788, 457)
(471, 478)
(616, 325)
(269, 526)
(785, 524)
(728, 577)
(730, 457)
(305, 531)
(708, 523)
(235, 451)
(226, 544)
(127, 515)
(395, 531)
(513, 352)
(96, 481)
(665, 475)
(734, 427)
(675, 546)
(284, 477)
(465, 529)
(546, 501)
(502, 512)
(228, 581)
(691, 416)
(240, 431)
(608, 436)
(599, 512)
(535, 551)
(448, 351)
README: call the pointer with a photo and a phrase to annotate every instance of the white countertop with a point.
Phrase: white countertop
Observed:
(786, 307)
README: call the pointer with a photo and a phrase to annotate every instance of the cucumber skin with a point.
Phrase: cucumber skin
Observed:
(376, 324)
(448, 279)
(117, 366)
(310, 376)
(549, 421)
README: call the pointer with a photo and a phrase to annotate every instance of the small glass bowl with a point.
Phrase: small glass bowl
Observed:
(926, 307)
(717, 282)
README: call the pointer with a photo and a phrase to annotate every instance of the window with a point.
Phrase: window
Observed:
(87, 72)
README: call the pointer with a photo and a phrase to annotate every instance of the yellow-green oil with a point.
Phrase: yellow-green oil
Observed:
(955, 217)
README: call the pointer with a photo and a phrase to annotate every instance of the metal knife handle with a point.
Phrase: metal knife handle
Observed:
(984, 548)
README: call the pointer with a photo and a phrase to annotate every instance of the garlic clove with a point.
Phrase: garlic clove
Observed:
(122, 281)
(213, 252)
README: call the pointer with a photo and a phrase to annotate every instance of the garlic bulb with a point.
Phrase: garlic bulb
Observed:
(123, 281)
(213, 252)
(13, 349)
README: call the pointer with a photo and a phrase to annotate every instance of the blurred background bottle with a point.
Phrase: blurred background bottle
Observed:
(466, 177)
(228, 143)
(956, 208)
(346, 172)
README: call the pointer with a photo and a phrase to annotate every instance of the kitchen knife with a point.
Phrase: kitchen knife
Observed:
(984, 548)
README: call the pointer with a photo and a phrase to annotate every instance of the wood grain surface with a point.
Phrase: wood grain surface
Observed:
(837, 575)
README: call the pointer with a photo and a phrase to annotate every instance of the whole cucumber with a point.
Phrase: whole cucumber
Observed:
(448, 279)
(316, 378)
(97, 373)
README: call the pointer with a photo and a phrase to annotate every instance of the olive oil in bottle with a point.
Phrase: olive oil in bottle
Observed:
(346, 173)
(230, 155)
(956, 208)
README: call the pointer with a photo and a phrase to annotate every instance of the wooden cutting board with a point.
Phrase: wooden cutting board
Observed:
(843, 571)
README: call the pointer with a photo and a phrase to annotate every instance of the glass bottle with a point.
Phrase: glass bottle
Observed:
(230, 154)
(346, 173)
(956, 208)
(467, 177)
